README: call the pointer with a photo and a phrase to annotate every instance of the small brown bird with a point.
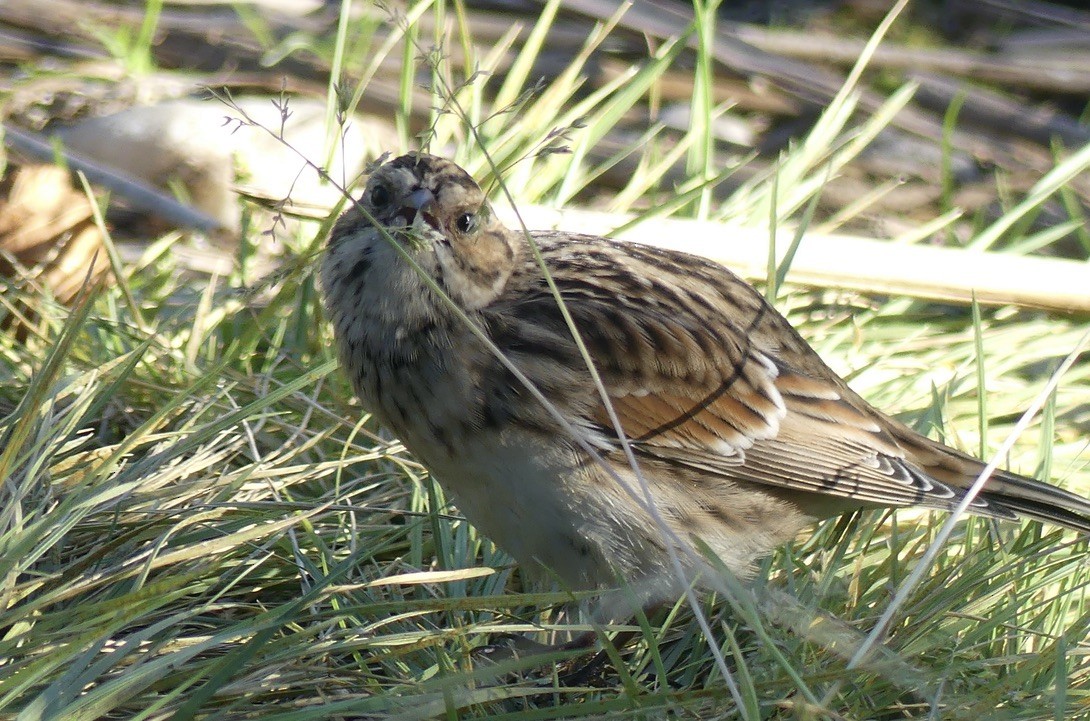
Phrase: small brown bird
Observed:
(741, 433)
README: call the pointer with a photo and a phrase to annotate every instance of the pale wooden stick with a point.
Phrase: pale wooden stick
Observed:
(847, 262)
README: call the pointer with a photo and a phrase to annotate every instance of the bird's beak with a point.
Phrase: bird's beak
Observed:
(422, 201)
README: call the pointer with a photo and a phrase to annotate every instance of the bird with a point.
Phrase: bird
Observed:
(703, 421)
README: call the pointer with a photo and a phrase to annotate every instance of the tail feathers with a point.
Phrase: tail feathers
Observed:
(1005, 494)
(1040, 501)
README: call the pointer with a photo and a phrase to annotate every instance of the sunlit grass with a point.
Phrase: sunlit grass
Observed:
(198, 522)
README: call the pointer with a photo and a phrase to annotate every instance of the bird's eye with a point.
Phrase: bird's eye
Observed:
(380, 196)
(466, 222)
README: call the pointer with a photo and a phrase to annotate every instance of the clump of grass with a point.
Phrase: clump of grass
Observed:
(197, 522)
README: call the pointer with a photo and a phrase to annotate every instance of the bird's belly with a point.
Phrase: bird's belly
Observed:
(520, 489)
(533, 506)
(534, 494)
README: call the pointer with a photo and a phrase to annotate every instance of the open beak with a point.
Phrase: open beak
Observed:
(420, 206)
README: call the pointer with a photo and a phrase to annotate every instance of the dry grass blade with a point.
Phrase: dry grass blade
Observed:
(846, 262)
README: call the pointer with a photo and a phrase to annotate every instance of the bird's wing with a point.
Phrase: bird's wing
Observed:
(703, 373)
(827, 440)
(820, 441)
